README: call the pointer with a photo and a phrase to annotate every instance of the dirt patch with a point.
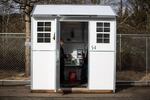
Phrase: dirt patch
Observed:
(12, 75)
(133, 76)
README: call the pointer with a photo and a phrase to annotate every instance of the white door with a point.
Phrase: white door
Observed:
(101, 55)
(57, 23)
(44, 54)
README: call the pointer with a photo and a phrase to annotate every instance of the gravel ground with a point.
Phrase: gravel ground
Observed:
(122, 93)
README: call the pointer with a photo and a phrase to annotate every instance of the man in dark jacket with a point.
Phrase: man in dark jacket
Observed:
(62, 62)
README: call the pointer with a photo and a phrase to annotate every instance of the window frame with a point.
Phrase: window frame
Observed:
(101, 35)
(46, 39)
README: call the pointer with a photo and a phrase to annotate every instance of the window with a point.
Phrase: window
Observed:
(43, 32)
(103, 32)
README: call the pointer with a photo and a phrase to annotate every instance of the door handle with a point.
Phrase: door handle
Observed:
(54, 36)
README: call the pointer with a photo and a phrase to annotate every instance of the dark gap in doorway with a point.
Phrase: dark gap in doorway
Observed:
(74, 54)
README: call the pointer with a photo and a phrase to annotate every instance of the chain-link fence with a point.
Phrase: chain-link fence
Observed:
(133, 57)
(12, 59)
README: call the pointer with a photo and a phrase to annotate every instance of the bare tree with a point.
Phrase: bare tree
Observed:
(6, 6)
(26, 6)
(136, 15)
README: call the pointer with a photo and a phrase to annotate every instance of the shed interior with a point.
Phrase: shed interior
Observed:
(74, 62)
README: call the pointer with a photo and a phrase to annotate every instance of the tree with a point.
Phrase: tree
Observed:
(26, 6)
(134, 16)
(6, 6)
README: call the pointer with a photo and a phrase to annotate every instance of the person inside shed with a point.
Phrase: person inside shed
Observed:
(62, 61)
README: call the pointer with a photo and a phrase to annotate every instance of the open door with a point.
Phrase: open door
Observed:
(101, 55)
(43, 54)
(57, 25)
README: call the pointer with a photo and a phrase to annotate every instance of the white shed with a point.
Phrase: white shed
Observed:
(89, 50)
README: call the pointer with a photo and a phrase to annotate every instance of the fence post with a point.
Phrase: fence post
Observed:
(146, 60)
(120, 67)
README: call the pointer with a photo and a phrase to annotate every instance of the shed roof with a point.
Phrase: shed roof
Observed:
(73, 10)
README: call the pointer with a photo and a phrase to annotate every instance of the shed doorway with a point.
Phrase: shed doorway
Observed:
(73, 54)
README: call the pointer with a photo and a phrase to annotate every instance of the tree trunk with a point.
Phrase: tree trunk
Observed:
(27, 40)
